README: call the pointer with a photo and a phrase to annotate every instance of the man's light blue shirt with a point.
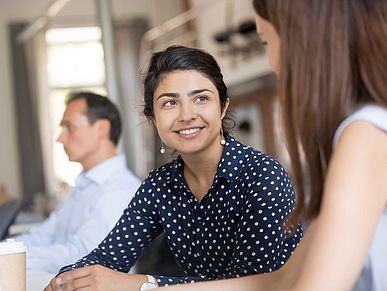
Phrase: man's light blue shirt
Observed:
(84, 219)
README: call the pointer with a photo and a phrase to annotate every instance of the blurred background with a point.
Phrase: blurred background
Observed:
(49, 48)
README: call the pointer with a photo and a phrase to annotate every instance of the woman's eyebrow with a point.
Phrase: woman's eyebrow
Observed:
(191, 93)
(168, 94)
(198, 91)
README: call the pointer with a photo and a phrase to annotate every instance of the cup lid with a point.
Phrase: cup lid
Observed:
(11, 246)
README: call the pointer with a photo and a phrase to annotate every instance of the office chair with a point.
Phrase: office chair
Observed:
(8, 212)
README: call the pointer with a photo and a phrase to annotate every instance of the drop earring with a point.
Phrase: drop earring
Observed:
(222, 140)
(162, 150)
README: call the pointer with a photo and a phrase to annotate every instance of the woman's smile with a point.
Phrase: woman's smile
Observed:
(190, 132)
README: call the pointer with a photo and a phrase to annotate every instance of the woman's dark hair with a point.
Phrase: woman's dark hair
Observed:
(183, 58)
(333, 59)
(99, 107)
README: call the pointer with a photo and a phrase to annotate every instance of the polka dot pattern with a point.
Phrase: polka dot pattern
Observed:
(236, 230)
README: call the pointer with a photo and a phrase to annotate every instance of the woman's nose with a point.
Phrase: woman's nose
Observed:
(187, 112)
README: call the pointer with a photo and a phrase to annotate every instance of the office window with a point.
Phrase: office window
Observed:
(75, 61)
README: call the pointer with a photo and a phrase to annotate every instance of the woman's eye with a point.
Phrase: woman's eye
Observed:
(201, 98)
(169, 103)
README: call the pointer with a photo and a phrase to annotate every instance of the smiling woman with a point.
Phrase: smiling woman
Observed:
(188, 114)
(222, 205)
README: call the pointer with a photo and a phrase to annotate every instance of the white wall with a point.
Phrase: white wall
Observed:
(13, 10)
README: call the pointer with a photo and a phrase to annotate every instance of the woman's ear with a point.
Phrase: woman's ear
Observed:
(153, 120)
(224, 110)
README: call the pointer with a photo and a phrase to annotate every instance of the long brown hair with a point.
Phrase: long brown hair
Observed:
(333, 58)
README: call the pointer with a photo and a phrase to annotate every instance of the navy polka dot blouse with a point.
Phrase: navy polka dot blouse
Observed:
(236, 230)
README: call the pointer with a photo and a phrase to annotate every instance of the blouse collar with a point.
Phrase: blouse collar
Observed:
(229, 167)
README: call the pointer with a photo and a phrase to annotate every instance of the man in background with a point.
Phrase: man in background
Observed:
(91, 127)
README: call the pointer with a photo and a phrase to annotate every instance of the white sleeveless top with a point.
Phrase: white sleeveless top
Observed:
(374, 274)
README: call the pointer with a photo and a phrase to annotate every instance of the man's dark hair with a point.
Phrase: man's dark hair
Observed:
(99, 107)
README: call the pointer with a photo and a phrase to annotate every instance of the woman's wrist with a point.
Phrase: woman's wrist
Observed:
(150, 283)
(134, 281)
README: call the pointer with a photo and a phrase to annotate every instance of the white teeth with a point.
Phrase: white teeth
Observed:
(189, 131)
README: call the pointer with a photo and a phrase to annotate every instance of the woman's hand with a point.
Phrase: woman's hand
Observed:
(95, 278)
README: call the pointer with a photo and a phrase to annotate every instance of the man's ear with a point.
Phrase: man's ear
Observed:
(224, 110)
(103, 127)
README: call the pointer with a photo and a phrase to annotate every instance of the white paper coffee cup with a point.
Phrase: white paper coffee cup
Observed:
(12, 266)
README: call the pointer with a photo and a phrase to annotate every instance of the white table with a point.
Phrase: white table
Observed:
(37, 280)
